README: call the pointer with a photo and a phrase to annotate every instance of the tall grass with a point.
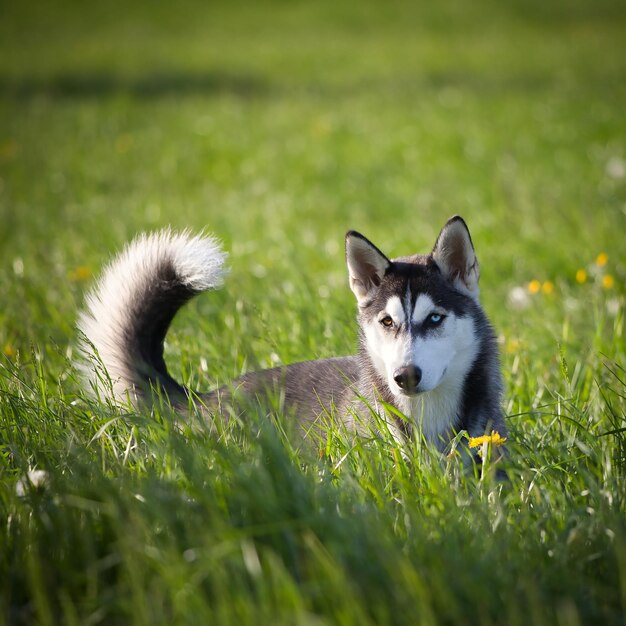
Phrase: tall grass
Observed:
(278, 127)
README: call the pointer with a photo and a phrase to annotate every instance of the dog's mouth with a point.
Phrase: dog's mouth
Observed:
(408, 391)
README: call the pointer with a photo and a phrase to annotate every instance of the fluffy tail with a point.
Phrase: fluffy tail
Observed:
(128, 312)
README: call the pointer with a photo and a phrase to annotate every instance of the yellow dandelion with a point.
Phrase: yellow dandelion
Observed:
(608, 282)
(581, 276)
(9, 350)
(513, 345)
(495, 439)
(602, 259)
(534, 286)
(547, 287)
(82, 272)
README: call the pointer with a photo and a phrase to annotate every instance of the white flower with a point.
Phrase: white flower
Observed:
(33, 481)
(519, 298)
(616, 168)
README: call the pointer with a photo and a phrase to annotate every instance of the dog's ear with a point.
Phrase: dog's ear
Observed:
(366, 265)
(455, 256)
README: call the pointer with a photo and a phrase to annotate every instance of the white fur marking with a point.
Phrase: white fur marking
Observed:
(395, 310)
(423, 306)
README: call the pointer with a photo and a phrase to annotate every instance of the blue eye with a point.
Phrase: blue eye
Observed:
(435, 318)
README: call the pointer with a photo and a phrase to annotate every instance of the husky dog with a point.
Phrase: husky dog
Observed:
(426, 349)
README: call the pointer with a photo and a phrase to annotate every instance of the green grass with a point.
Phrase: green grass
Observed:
(278, 126)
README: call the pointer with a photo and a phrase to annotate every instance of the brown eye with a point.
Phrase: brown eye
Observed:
(386, 321)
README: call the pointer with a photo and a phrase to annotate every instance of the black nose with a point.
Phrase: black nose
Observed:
(408, 377)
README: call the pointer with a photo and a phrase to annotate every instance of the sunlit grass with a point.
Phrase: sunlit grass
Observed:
(278, 128)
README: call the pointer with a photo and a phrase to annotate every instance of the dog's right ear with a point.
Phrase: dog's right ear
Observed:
(366, 265)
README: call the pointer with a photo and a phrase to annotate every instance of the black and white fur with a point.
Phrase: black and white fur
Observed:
(426, 347)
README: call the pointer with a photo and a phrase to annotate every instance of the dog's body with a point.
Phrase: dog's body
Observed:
(426, 347)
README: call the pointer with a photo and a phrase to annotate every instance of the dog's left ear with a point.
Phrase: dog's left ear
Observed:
(455, 256)
(366, 265)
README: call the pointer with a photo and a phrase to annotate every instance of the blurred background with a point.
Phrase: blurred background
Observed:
(279, 125)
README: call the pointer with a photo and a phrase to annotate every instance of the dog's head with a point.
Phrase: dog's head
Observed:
(417, 313)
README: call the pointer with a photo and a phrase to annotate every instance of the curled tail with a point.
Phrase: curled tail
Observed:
(128, 312)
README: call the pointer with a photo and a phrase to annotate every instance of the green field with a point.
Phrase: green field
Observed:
(278, 126)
